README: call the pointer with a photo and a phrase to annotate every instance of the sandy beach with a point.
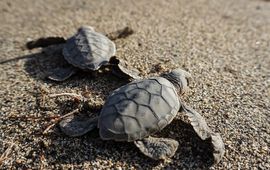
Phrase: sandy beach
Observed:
(225, 45)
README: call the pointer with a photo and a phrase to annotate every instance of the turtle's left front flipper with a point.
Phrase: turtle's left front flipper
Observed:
(45, 42)
(204, 132)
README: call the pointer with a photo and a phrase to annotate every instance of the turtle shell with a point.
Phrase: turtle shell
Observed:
(88, 49)
(138, 109)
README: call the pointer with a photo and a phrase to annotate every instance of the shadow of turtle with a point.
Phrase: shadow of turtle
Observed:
(40, 65)
(90, 148)
(192, 152)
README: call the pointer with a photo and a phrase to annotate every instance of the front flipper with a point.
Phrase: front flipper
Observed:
(122, 33)
(62, 73)
(201, 128)
(78, 125)
(45, 42)
(157, 148)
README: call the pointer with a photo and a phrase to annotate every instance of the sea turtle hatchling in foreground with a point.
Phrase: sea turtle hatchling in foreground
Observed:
(137, 110)
(87, 50)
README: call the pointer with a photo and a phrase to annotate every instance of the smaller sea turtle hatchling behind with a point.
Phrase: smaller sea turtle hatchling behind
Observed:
(141, 108)
(87, 50)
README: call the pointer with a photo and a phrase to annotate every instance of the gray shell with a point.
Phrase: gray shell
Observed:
(88, 49)
(138, 109)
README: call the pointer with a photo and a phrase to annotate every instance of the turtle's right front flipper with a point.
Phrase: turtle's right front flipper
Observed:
(204, 132)
(45, 42)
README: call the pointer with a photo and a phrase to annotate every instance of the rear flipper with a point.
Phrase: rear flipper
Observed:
(62, 73)
(157, 148)
(78, 125)
(201, 128)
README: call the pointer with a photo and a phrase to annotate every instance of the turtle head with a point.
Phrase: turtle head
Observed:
(179, 78)
(85, 27)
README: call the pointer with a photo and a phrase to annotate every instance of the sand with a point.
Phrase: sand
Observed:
(225, 45)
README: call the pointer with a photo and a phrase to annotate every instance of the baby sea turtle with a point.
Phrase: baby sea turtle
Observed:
(87, 50)
(141, 108)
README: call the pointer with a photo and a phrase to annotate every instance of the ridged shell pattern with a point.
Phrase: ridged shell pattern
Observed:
(138, 109)
(88, 49)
